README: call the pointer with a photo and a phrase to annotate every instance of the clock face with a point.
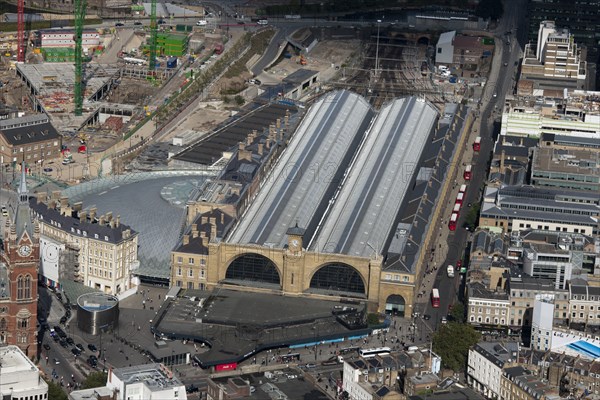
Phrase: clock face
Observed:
(295, 242)
(24, 251)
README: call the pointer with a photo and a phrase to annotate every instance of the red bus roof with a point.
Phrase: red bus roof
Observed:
(454, 217)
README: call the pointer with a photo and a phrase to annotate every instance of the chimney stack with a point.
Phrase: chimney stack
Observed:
(118, 221)
(260, 149)
(82, 216)
(77, 206)
(101, 220)
(278, 123)
(109, 216)
(502, 162)
(64, 203)
(186, 239)
(93, 212)
(204, 220)
(222, 218)
(41, 197)
(213, 228)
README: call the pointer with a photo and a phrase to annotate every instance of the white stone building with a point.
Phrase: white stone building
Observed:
(19, 377)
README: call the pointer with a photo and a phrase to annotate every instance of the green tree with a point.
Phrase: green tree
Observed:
(471, 218)
(239, 100)
(95, 379)
(452, 342)
(458, 312)
(55, 392)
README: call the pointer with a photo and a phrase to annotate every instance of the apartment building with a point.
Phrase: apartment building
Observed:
(584, 304)
(517, 208)
(519, 383)
(487, 307)
(31, 138)
(523, 292)
(573, 114)
(555, 60)
(145, 382)
(106, 249)
(485, 363)
(189, 258)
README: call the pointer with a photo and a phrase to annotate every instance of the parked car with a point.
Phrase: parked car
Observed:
(70, 341)
(119, 24)
(137, 23)
(4, 212)
(80, 346)
(47, 346)
(76, 351)
(92, 347)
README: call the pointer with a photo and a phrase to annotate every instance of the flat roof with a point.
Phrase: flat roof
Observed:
(152, 375)
(14, 360)
(364, 214)
(298, 189)
(572, 161)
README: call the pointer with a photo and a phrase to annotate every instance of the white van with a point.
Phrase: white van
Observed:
(262, 22)
(202, 22)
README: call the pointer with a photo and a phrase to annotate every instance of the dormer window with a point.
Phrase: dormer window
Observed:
(84, 233)
(106, 238)
(95, 236)
(72, 229)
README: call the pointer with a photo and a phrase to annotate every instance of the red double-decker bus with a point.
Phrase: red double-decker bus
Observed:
(435, 298)
(453, 221)
(460, 198)
(463, 189)
(477, 144)
(456, 208)
(467, 173)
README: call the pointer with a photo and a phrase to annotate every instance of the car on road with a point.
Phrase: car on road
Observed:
(93, 363)
(47, 169)
(92, 347)
(426, 317)
(138, 23)
(506, 64)
(495, 94)
(161, 22)
(47, 346)
(56, 361)
(70, 341)
(63, 320)
(80, 346)
(4, 212)
(119, 24)
(76, 351)
(64, 343)
(444, 320)
(458, 264)
(310, 365)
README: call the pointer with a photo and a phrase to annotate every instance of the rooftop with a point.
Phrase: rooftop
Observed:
(13, 360)
(364, 214)
(498, 353)
(154, 376)
(569, 161)
(309, 171)
(479, 291)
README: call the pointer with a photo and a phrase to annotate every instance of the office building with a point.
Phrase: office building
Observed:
(566, 168)
(145, 382)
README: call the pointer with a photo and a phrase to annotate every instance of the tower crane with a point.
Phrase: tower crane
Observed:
(21, 44)
(79, 11)
(153, 32)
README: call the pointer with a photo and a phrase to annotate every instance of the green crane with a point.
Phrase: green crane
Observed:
(79, 11)
(153, 32)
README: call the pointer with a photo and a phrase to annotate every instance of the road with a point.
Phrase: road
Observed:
(500, 83)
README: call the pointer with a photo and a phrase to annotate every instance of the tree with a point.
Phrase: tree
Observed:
(452, 343)
(458, 312)
(373, 319)
(239, 100)
(55, 392)
(490, 9)
(94, 380)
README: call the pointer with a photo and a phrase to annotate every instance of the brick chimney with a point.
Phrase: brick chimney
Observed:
(77, 206)
(82, 216)
(93, 212)
(101, 220)
(186, 239)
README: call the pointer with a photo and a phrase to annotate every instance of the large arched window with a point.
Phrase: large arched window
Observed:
(253, 267)
(28, 287)
(20, 287)
(3, 324)
(338, 277)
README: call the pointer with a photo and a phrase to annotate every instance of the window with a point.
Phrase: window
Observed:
(179, 260)
(178, 271)
(190, 285)
(191, 273)
(202, 273)
(202, 262)
(20, 287)
(191, 260)
(3, 324)
(23, 323)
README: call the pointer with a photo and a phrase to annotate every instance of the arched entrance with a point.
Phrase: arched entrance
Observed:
(250, 268)
(338, 277)
(395, 305)
(423, 40)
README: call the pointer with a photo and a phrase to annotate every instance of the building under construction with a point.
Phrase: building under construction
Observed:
(51, 89)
